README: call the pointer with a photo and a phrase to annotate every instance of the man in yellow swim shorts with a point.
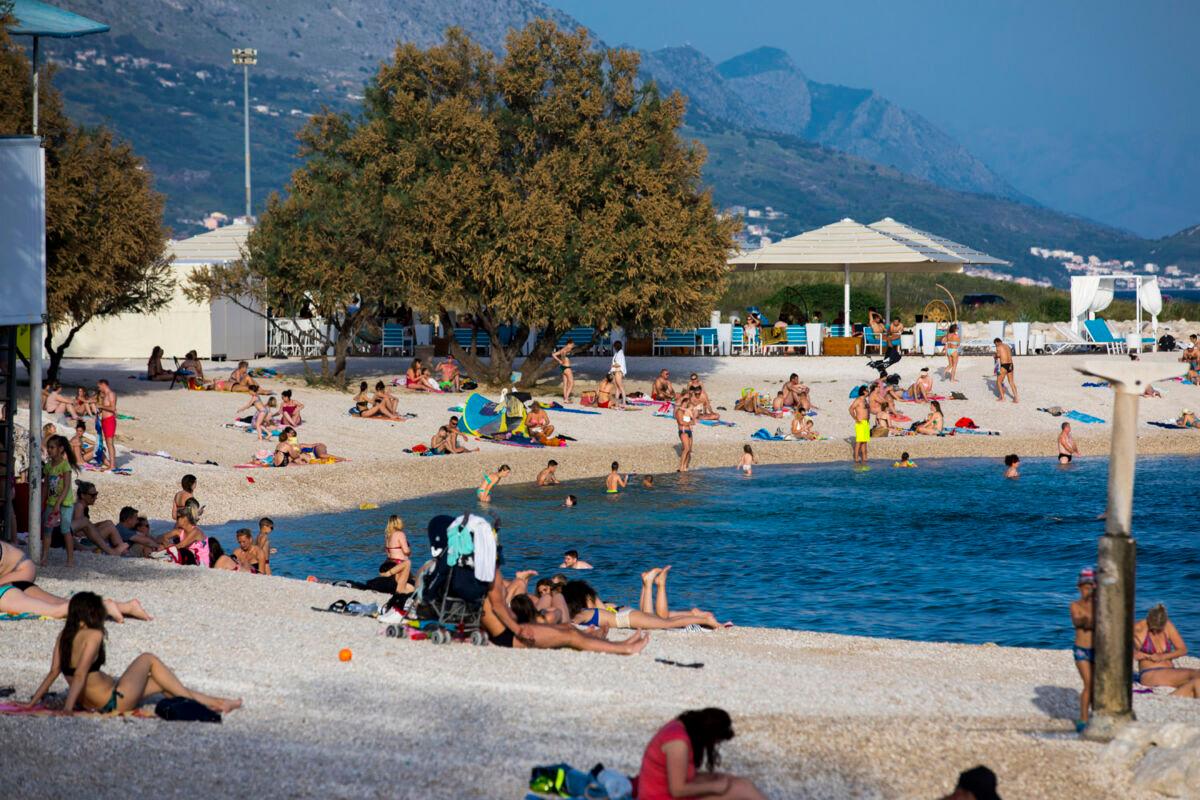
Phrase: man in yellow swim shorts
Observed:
(860, 413)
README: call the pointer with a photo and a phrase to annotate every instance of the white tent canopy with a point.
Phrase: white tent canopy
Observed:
(1094, 293)
(849, 246)
(911, 235)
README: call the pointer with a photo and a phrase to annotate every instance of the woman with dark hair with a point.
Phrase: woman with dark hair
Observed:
(217, 558)
(545, 636)
(586, 609)
(187, 544)
(154, 367)
(79, 656)
(679, 749)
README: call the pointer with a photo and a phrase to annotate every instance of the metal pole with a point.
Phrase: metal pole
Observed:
(846, 303)
(246, 107)
(36, 43)
(887, 297)
(1116, 563)
(36, 335)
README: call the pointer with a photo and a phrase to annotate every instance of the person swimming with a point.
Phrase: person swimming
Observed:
(904, 461)
(1011, 464)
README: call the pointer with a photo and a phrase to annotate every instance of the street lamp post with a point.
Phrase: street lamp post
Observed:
(246, 57)
(1116, 562)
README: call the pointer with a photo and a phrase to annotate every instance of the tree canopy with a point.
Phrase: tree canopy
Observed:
(544, 189)
(105, 240)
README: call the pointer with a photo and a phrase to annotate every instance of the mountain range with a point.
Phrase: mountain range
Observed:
(815, 152)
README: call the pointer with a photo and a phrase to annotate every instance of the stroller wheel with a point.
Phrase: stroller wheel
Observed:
(478, 638)
(393, 631)
(441, 636)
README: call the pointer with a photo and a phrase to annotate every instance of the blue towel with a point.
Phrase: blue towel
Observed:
(1079, 416)
(1095, 384)
(764, 435)
(572, 410)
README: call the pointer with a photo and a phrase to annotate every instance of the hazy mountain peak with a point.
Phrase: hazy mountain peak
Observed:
(758, 61)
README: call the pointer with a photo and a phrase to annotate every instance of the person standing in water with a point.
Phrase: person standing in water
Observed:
(1012, 462)
(614, 482)
(1067, 449)
(747, 461)
(484, 492)
(685, 420)
(1004, 370)
(1083, 619)
(860, 413)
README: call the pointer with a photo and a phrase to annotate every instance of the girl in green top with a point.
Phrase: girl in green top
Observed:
(58, 477)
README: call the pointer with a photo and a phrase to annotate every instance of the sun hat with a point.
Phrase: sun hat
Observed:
(1087, 575)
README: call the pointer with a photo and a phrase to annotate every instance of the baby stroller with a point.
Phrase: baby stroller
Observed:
(448, 601)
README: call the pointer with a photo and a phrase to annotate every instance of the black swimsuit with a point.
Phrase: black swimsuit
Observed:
(95, 667)
(504, 639)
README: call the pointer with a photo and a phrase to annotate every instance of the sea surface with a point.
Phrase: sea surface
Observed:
(948, 551)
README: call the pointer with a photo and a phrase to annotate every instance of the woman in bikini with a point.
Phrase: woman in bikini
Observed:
(20, 594)
(79, 657)
(191, 364)
(652, 613)
(217, 558)
(82, 406)
(103, 534)
(1157, 643)
(604, 392)
(187, 489)
(802, 426)
(54, 403)
(289, 409)
(952, 343)
(934, 423)
(383, 405)
(705, 409)
(264, 413)
(291, 450)
(484, 492)
(239, 379)
(413, 377)
(362, 400)
(540, 429)
(399, 554)
(188, 537)
(563, 357)
(154, 367)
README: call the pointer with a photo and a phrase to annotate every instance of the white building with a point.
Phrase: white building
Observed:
(213, 330)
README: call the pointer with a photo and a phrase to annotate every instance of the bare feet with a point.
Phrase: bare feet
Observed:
(223, 705)
(650, 575)
(526, 574)
(636, 643)
(114, 612)
(133, 608)
(661, 577)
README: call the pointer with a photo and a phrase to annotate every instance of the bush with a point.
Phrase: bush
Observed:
(807, 299)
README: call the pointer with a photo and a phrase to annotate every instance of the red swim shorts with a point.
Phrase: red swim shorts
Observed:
(109, 426)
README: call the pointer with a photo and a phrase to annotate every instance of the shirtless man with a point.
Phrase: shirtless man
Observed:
(1192, 357)
(860, 413)
(1067, 449)
(662, 389)
(795, 393)
(1004, 370)
(614, 483)
(881, 403)
(685, 412)
(1083, 617)
(107, 403)
(547, 477)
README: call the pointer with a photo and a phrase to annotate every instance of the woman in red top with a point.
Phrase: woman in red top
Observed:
(679, 748)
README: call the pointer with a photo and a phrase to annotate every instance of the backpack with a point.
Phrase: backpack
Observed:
(1166, 342)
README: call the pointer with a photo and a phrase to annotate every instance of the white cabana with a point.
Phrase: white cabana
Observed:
(846, 247)
(1091, 294)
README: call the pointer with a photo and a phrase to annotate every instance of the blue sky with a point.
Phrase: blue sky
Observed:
(1089, 106)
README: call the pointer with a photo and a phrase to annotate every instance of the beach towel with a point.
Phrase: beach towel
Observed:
(1169, 424)
(114, 471)
(42, 710)
(908, 398)
(21, 617)
(764, 435)
(717, 423)
(1079, 416)
(263, 372)
(953, 430)
(561, 407)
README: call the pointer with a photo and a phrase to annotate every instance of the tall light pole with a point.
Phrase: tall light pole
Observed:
(246, 57)
(1112, 691)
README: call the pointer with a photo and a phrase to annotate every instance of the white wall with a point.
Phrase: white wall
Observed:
(236, 332)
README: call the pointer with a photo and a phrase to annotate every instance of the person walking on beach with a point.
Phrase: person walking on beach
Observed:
(1083, 619)
(952, 343)
(685, 411)
(618, 370)
(1004, 370)
(107, 405)
(1067, 449)
(859, 412)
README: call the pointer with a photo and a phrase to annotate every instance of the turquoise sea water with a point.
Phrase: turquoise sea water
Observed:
(949, 551)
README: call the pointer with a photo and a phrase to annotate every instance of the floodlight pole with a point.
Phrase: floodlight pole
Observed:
(1116, 561)
(246, 57)
(36, 47)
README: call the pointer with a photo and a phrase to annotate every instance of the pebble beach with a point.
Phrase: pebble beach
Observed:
(816, 715)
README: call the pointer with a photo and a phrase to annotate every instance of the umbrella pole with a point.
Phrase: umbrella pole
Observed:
(846, 302)
(887, 296)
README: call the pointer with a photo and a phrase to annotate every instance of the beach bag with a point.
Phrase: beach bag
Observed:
(588, 398)
(965, 422)
(185, 709)
(1166, 342)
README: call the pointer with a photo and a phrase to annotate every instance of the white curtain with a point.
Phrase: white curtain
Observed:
(1104, 294)
(1083, 292)
(1151, 299)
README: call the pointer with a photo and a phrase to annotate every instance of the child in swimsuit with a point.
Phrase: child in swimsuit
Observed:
(614, 482)
(747, 462)
(484, 492)
(395, 543)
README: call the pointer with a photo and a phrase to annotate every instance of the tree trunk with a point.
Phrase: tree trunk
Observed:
(57, 353)
(538, 360)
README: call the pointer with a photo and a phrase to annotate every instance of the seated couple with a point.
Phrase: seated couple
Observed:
(446, 440)
(419, 378)
(20, 594)
(291, 451)
(381, 405)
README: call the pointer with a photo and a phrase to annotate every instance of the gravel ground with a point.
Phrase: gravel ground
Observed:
(817, 715)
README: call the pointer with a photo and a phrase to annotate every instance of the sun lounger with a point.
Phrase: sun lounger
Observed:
(1101, 334)
(675, 339)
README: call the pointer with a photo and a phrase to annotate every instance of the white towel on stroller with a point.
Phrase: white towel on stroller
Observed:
(484, 537)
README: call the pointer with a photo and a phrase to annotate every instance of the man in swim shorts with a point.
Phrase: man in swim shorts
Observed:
(107, 404)
(1067, 449)
(546, 477)
(1004, 370)
(662, 389)
(1083, 617)
(860, 413)
(685, 419)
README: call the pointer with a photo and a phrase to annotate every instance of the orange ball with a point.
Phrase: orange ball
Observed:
(345, 655)
(311, 579)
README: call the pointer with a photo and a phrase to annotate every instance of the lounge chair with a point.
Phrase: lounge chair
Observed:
(675, 339)
(1071, 341)
(1101, 334)
(871, 339)
(396, 337)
